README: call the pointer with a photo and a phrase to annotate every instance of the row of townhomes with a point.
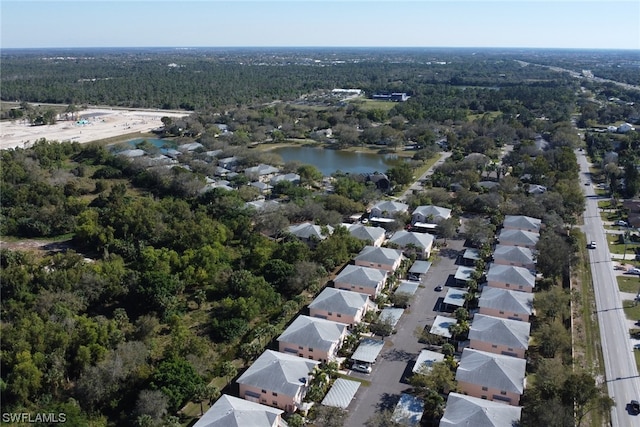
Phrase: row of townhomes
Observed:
(278, 381)
(491, 373)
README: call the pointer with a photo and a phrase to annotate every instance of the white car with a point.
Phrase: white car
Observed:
(591, 245)
(621, 223)
(361, 367)
(634, 271)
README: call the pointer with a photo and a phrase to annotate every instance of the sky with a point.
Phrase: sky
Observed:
(581, 24)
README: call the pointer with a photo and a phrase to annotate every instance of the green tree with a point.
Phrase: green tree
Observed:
(177, 379)
(439, 377)
(329, 416)
(25, 379)
(447, 228)
(382, 419)
(400, 174)
(580, 392)
(227, 370)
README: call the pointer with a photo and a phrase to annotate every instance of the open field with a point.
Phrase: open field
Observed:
(92, 124)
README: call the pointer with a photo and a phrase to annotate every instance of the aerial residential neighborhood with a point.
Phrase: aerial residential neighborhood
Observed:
(350, 236)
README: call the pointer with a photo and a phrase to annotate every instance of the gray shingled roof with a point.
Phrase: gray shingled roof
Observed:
(515, 254)
(230, 411)
(496, 330)
(307, 230)
(403, 238)
(262, 169)
(492, 370)
(313, 332)
(279, 372)
(390, 206)
(437, 212)
(376, 255)
(361, 276)
(364, 232)
(339, 301)
(469, 411)
(520, 237)
(522, 222)
(510, 274)
(506, 300)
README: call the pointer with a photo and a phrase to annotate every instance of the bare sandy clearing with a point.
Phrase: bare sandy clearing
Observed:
(92, 124)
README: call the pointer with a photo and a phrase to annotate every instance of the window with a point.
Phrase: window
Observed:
(264, 391)
(501, 312)
(310, 348)
(507, 285)
(264, 400)
(484, 389)
(274, 403)
(274, 393)
(300, 347)
(330, 314)
(339, 315)
(494, 346)
(504, 393)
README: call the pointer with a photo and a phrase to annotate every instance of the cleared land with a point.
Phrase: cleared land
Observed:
(91, 125)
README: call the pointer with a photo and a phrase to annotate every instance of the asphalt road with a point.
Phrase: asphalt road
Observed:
(622, 379)
(388, 378)
(417, 186)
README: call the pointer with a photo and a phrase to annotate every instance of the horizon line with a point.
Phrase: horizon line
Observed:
(318, 47)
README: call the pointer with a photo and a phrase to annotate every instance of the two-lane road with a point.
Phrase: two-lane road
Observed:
(622, 379)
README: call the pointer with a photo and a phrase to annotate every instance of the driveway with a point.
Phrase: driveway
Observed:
(401, 349)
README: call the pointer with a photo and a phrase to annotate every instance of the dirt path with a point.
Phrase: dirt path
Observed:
(39, 246)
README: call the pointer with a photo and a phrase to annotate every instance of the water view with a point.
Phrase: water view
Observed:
(330, 161)
(160, 143)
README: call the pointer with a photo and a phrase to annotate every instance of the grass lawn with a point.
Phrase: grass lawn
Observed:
(631, 309)
(364, 382)
(586, 333)
(629, 284)
(619, 248)
(373, 104)
(606, 204)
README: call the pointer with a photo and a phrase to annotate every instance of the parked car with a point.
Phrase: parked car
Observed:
(634, 271)
(361, 367)
(591, 245)
(621, 223)
(438, 288)
(634, 407)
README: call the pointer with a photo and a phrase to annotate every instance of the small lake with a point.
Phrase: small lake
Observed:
(160, 143)
(330, 161)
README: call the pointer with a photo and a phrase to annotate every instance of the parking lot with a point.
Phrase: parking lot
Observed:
(388, 377)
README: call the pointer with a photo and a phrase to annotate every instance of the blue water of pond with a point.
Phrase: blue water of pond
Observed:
(330, 161)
